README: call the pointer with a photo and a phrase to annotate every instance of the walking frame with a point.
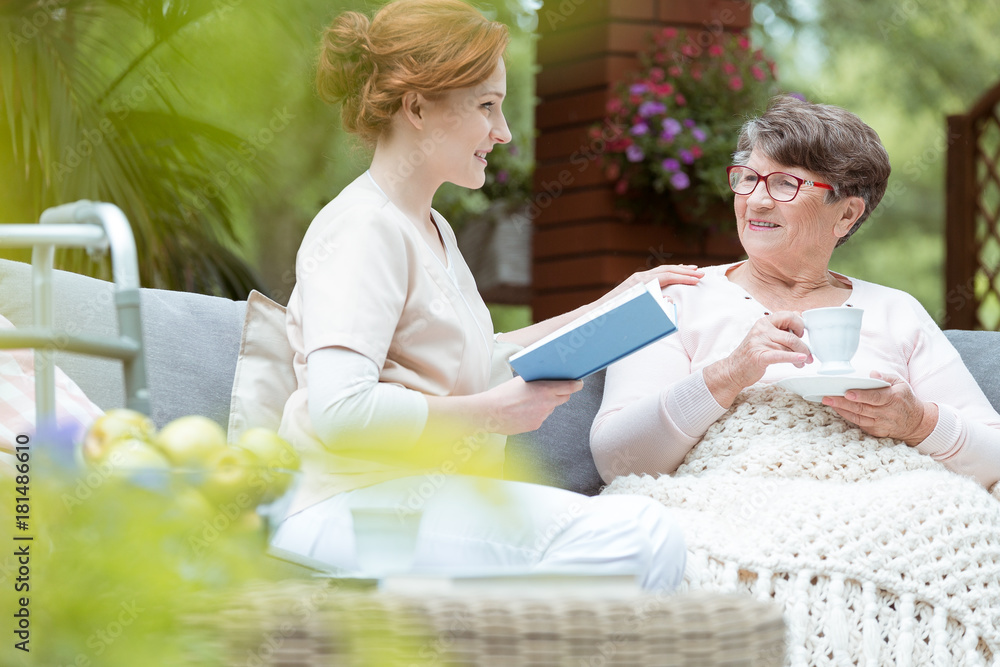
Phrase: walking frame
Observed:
(97, 227)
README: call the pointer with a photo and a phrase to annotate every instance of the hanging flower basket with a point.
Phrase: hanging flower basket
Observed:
(676, 122)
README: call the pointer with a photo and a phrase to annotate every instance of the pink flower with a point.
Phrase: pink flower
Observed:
(743, 43)
(729, 68)
(669, 33)
(715, 50)
(758, 73)
(690, 50)
(736, 83)
(696, 73)
(621, 187)
(619, 145)
(655, 74)
(697, 152)
(613, 171)
(675, 71)
(663, 89)
(680, 100)
(614, 105)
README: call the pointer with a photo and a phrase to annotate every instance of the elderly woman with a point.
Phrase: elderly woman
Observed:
(848, 513)
(807, 177)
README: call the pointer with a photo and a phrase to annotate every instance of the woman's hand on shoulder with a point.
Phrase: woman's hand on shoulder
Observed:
(773, 339)
(667, 274)
(517, 406)
(889, 412)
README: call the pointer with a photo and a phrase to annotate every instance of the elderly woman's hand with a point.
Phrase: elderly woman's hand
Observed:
(774, 339)
(890, 412)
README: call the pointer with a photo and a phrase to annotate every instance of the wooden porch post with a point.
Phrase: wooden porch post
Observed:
(960, 197)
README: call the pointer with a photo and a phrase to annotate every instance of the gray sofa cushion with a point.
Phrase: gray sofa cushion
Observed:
(191, 341)
(980, 351)
(558, 453)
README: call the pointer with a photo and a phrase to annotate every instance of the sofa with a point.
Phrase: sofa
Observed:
(192, 344)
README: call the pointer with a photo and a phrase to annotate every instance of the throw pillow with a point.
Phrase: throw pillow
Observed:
(264, 377)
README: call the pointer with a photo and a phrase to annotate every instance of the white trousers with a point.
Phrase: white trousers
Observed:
(474, 523)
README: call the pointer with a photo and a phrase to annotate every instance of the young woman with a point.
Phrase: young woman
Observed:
(404, 395)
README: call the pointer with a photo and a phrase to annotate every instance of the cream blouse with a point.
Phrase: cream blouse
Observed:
(367, 281)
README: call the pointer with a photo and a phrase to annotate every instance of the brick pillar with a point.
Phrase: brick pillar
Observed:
(582, 243)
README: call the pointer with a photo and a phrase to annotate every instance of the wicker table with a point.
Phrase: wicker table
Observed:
(307, 623)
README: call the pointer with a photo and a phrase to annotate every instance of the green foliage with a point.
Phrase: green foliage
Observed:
(90, 114)
(101, 101)
(509, 318)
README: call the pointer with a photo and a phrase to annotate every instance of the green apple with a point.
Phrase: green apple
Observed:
(233, 478)
(191, 442)
(135, 454)
(138, 462)
(190, 504)
(249, 522)
(114, 425)
(273, 450)
(278, 457)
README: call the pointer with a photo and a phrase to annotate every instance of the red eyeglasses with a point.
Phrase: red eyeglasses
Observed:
(780, 186)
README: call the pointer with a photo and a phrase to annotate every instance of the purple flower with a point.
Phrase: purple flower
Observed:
(799, 96)
(647, 109)
(502, 176)
(680, 180)
(670, 164)
(634, 154)
(688, 123)
(686, 156)
(671, 128)
(639, 129)
(512, 150)
(698, 133)
(638, 88)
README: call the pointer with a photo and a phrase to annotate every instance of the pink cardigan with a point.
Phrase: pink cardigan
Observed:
(656, 405)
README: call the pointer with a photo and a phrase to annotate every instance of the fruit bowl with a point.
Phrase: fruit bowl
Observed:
(191, 464)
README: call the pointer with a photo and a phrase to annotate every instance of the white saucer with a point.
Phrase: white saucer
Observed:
(815, 387)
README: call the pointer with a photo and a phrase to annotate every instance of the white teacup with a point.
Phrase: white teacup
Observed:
(834, 334)
(385, 539)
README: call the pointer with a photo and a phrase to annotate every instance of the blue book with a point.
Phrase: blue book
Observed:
(631, 321)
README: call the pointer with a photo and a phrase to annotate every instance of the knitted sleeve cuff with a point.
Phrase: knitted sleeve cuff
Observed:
(943, 440)
(691, 405)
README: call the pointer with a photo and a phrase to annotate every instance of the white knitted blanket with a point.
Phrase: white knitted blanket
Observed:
(878, 554)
